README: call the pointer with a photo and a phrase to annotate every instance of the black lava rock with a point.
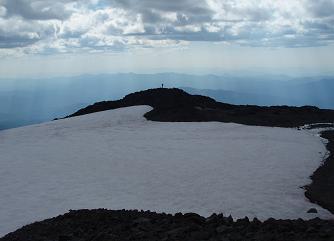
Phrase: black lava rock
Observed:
(175, 105)
(312, 210)
(321, 190)
(106, 225)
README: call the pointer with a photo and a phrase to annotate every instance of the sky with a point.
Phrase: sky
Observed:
(66, 37)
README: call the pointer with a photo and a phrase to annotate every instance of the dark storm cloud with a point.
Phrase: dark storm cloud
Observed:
(39, 10)
(193, 10)
(190, 6)
(16, 41)
(322, 8)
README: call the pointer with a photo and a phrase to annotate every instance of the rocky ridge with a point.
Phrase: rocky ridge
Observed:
(175, 105)
(107, 225)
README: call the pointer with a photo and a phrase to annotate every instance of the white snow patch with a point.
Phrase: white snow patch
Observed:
(116, 159)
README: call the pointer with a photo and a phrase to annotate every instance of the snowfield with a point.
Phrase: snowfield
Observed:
(118, 160)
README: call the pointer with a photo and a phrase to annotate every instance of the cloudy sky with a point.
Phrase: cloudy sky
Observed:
(64, 37)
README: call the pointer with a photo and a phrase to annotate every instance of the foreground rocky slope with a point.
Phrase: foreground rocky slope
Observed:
(107, 225)
(176, 105)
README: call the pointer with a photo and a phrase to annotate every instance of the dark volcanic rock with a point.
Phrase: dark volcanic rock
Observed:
(177, 105)
(321, 190)
(312, 210)
(107, 225)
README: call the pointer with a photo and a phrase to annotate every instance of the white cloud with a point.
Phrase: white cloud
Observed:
(89, 25)
(3, 11)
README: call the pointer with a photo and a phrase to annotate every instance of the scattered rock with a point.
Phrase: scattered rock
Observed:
(141, 220)
(312, 210)
(64, 238)
(223, 229)
(200, 235)
(194, 217)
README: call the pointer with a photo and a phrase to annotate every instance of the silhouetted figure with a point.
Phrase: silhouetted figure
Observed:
(162, 85)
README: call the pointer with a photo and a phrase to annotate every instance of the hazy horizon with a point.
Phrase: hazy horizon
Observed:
(196, 72)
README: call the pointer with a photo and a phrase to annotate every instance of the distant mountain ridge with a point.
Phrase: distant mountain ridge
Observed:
(242, 98)
(297, 93)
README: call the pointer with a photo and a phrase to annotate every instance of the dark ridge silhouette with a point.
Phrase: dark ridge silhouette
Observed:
(175, 105)
(107, 225)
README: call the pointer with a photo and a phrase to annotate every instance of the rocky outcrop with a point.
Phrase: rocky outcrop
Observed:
(107, 225)
(321, 190)
(175, 105)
